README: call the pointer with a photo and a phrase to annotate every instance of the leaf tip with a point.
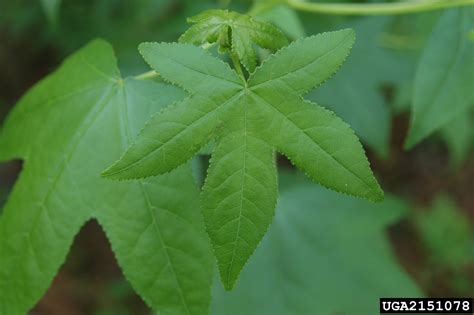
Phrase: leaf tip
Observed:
(228, 285)
(411, 141)
(142, 47)
(110, 172)
(116, 172)
(350, 33)
(378, 195)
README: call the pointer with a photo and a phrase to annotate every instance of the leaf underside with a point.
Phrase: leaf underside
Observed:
(250, 121)
(67, 129)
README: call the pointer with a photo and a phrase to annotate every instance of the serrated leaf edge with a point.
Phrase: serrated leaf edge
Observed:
(230, 286)
(282, 50)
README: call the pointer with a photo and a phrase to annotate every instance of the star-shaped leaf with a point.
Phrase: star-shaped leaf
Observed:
(235, 32)
(67, 129)
(250, 119)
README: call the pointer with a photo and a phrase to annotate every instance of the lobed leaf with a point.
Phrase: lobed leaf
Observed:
(250, 121)
(68, 128)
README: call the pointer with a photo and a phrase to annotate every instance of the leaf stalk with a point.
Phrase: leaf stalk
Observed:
(236, 61)
(150, 75)
(147, 75)
(405, 7)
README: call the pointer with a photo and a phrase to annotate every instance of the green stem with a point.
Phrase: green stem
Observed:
(147, 75)
(153, 74)
(236, 62)
(405, 7)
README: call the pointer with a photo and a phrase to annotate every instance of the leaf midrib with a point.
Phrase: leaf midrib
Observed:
(128, 141)
(269, 81)
(194, 123)
(451, 67)
(312, 141)
(235, 84)
(241, 196)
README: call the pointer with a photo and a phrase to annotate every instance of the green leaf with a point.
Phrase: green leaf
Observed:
(51, 9)
(446, 233)
(458, 134)
(239, 198)
(249, 120)
(67, 129)
(324, 254)
(444, 78)
(215, 26)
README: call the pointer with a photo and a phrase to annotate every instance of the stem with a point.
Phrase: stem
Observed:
(153, 74)
(236, 62)
(415, 6)
(147, 75)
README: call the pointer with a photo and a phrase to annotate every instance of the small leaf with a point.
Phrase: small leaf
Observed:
(67, 129)
(215, 26)
(249, 120)
(444, 78)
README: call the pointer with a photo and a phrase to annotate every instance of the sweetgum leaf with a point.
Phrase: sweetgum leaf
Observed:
(324, 254)
(67, 129)
(216, 25)
(445, 76)
(250, 120)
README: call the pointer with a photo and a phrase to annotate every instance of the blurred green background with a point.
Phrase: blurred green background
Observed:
(322, 245)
